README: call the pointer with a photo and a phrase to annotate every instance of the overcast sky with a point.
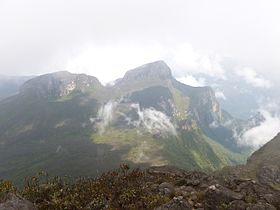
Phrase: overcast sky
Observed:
(107, 37)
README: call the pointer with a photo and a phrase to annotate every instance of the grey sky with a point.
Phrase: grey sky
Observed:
(107, 37)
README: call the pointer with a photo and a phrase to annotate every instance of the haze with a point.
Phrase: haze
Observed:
(106, 38)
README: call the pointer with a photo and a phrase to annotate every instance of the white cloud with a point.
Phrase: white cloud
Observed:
(151, 120)
(110, 62)
(186, 58)
(106, 114)
(270, 104)
(192, 81)
(157, 122)
(220, 94)
(33, 32)
(214, 124)
(252, 78)
(154, 121)
(261, 134)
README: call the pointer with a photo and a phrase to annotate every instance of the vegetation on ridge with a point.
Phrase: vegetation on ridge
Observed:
(155, 188)
(121, 188)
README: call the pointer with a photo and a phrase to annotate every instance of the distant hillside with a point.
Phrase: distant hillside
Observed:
(9, 85)
(70, 124)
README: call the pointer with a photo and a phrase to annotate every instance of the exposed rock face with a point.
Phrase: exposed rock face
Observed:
(154, 70)
(11, 201)
(58, 84)
(206, 100)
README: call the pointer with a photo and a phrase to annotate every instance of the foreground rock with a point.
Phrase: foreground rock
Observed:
(197, 190)
(11, 201)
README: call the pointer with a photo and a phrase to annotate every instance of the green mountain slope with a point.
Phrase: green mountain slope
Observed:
(70, 124)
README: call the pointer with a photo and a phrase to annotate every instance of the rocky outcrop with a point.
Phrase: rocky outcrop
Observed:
(11, 201)
(155, 70)
(264, 164)
(159, 188)
(58, 84)
(269, 174)
(197, 190)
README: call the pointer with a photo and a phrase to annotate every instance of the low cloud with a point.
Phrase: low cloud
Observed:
(220, 94)
(154, 121)
(112, 61)
(252, 78)
(106, 114)
(262, 133)
(192, 81)
(185, 58)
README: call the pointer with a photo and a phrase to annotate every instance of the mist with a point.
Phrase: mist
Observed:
(154, 121)
(190, 35)
(106, 115)
(261, 134)
(149, 119)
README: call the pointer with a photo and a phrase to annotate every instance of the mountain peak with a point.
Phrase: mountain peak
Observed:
(158, 69)
(58, 84)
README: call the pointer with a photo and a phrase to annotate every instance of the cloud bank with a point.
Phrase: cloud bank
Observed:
(46, 36)
(220, 94)
(192, 81)
(154, 121)
(185, 58)
(251, 77)
(264, 132)
(105, 115)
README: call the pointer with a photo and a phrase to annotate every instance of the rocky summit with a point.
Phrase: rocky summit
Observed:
(158, 70)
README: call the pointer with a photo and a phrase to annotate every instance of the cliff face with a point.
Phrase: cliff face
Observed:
(152, 71)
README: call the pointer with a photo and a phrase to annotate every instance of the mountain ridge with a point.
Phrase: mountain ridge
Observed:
(72, 119)
(58, 84)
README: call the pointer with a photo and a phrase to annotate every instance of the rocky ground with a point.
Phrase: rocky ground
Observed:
(11, 201)
(198, 190)
(159, 188)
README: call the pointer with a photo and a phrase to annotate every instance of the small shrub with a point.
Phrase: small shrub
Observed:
(123, 188)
